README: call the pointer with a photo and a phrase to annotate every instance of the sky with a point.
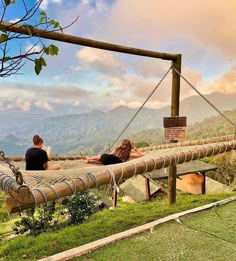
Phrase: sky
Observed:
(84, 78)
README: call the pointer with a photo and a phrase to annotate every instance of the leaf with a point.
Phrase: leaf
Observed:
(56, 25)
(54, 50)
(42, 16)
(47, 50)
(52, 21)
(42, 13)
(41, 19)
(3, 38)
(42, 61)
(37, 67)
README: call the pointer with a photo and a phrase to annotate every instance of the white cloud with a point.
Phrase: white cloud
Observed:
(23, 105)
(14, 20)
(43, 105)
(224, 84)
(45, 3)
(202, 32)
(94, 56)
(30, 48)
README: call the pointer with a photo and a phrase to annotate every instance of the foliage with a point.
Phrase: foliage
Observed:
(141, 144)
(227, 167)
(80, 206)
(13, 59)
(37, 221)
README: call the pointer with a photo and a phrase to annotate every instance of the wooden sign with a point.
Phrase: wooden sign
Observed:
(170, 122)
(175, 128)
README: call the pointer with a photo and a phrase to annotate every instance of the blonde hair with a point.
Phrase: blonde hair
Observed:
(123, 151)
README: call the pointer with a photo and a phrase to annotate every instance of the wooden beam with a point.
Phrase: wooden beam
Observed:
(10, 27)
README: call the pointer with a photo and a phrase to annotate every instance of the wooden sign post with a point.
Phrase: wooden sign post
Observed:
(175, 94)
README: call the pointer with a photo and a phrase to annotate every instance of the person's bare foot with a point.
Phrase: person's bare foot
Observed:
(86, 160)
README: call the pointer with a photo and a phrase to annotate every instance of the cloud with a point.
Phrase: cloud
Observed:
(43, 105)
(225, 84)
(23, 105)
(45, 3)
(30, 48)
(100, 61)
(15, 20)
(209, 23)
(202, 31)
(63, 94)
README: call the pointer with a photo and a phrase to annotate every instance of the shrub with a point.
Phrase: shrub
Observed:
(80, 206)
(37, 221)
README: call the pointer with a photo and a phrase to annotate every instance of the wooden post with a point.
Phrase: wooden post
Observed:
(147, 185)
(204, 182)
(174, 112)
(114, 197)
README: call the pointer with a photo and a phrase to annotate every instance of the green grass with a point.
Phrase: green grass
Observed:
(208, 235)
(101, 224)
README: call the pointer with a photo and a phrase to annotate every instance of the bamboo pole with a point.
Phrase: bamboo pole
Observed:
(21, 193)
(10, 27)
(225, 138)
(174, 113)
(124, 170)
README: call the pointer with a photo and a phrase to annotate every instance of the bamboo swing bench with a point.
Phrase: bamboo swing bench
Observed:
(43, 186)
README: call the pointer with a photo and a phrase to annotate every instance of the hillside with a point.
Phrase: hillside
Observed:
(94, 131)
(210, 127)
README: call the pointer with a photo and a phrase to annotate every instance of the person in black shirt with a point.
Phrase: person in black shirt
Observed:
(36, 158)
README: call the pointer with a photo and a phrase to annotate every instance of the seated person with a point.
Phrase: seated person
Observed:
(36, 158)
(119, 155)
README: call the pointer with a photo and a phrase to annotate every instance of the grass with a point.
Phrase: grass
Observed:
(208, 235)
(101, 224)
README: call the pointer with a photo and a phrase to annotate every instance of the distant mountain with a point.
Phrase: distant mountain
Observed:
(14, 117)
(69, 134)
(211, 127)
(197, 109)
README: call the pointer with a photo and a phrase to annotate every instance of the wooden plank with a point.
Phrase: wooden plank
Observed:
(183, 169)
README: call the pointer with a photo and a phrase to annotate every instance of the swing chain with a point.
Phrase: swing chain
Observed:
(15, 171)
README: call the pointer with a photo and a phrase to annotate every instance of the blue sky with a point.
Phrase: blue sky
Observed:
(202, 31)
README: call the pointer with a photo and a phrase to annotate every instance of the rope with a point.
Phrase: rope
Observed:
(149, 96)
(200, 94)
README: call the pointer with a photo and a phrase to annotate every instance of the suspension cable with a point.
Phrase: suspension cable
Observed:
(149, 96)
(198, 92)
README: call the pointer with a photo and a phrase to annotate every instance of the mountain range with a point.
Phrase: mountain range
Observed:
(73, 133)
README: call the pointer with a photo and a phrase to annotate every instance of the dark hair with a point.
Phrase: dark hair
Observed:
(37, 140)
(123, 151)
